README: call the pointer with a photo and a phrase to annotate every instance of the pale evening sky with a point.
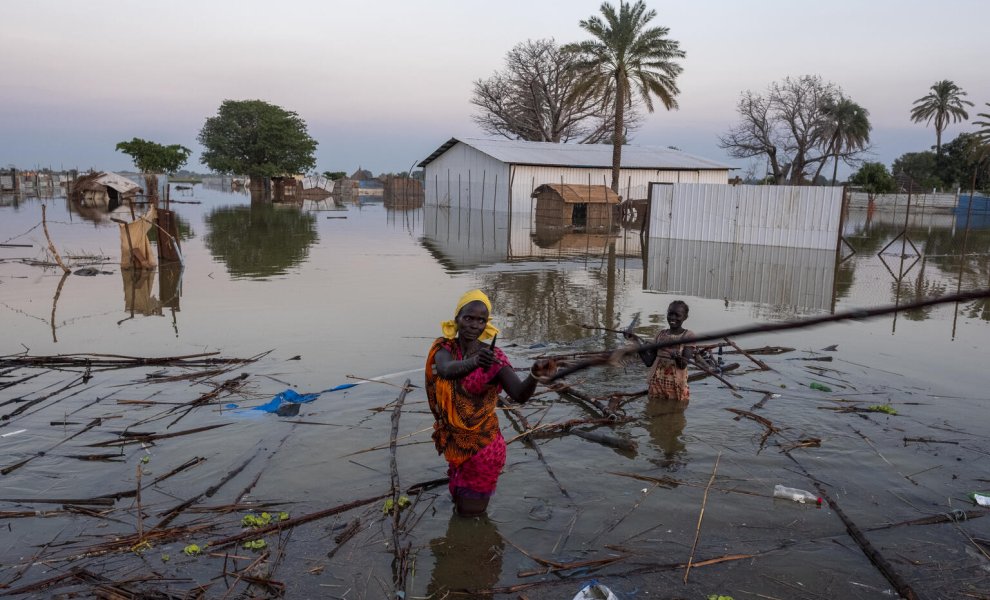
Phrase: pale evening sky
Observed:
(382, 84)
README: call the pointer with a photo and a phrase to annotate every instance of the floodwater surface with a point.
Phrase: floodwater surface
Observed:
(322, 294)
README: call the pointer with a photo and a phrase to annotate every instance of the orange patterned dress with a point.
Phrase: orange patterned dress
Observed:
(667, 381)
(466, 430)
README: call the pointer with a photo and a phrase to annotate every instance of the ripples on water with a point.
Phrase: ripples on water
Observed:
(363, 295)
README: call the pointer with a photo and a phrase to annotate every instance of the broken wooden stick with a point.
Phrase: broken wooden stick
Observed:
(701, 515)
(51, 246)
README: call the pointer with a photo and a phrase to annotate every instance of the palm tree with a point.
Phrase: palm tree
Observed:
(847, 128)
(984, 132)
(942, 104)
(624, 57)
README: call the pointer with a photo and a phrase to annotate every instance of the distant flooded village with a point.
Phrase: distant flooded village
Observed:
(598, 316)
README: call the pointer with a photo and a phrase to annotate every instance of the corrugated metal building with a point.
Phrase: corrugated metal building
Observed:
(501, 175)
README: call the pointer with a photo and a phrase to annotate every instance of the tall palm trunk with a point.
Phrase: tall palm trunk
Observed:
(617, 134)
(835, 169)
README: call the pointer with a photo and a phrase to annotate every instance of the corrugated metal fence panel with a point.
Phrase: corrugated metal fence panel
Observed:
(795, 279)
(798, 217)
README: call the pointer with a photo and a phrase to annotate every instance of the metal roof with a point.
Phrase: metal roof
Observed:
(117, 182)
(599, 156)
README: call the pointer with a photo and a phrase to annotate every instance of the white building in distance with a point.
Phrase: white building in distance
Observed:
(500, 175)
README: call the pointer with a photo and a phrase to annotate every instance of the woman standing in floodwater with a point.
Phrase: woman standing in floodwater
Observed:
(464, 376)
(668, 379)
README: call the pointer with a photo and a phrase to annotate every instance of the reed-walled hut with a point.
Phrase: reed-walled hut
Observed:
(574, 205)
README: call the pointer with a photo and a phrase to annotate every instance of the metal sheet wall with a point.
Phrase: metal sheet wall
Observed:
(633, 183)
(466, 178)
(792, 216)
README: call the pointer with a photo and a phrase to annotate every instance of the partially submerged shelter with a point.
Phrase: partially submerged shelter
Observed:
(573, 205)
(502, 175)
(103, 189)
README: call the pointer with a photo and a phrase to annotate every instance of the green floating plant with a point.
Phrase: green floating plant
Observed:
(883, 408)
(389, 506)
(255, 544)
(718, 597)
(192, 550)
(251, 520)
(166, 558)
(145, 459)
(283, 516)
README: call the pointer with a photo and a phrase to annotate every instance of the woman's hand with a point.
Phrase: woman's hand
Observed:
(631, 337)
(484, 358)
(543, 369)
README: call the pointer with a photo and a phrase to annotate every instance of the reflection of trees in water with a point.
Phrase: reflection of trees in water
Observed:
(951, 259)
(916, 286)
(260, 240)
(551, 305)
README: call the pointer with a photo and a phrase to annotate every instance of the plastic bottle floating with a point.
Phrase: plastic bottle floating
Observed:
(595, 591)
(802, 496)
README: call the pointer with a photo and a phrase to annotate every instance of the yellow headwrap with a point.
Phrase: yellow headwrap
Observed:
(449, 328)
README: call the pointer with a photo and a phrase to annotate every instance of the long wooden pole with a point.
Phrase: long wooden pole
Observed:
(856, 314)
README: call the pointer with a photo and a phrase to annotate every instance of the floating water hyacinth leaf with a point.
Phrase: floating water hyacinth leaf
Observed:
(145, 460)
(718, 597)
(166, 558)
(389, 504)
(255, 544)
(884, 408)
(820, 387)
(283, 516)
(192, 550)
(250, 520)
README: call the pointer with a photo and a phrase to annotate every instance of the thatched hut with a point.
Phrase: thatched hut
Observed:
(103, 189)
(573, 205)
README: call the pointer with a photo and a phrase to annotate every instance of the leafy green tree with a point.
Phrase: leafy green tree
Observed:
(943, 104)
(151, 158)
(874, 178)
(962, 157)
(624, 57)
(258, 139)
(847, 128)
(920, 167)
(334, 175)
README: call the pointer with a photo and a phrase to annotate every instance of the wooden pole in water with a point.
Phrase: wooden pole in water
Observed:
(51, 246)
(858, 314)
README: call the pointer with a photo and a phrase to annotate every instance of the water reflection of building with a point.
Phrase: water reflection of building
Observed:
(467, 238)
(793, 279)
